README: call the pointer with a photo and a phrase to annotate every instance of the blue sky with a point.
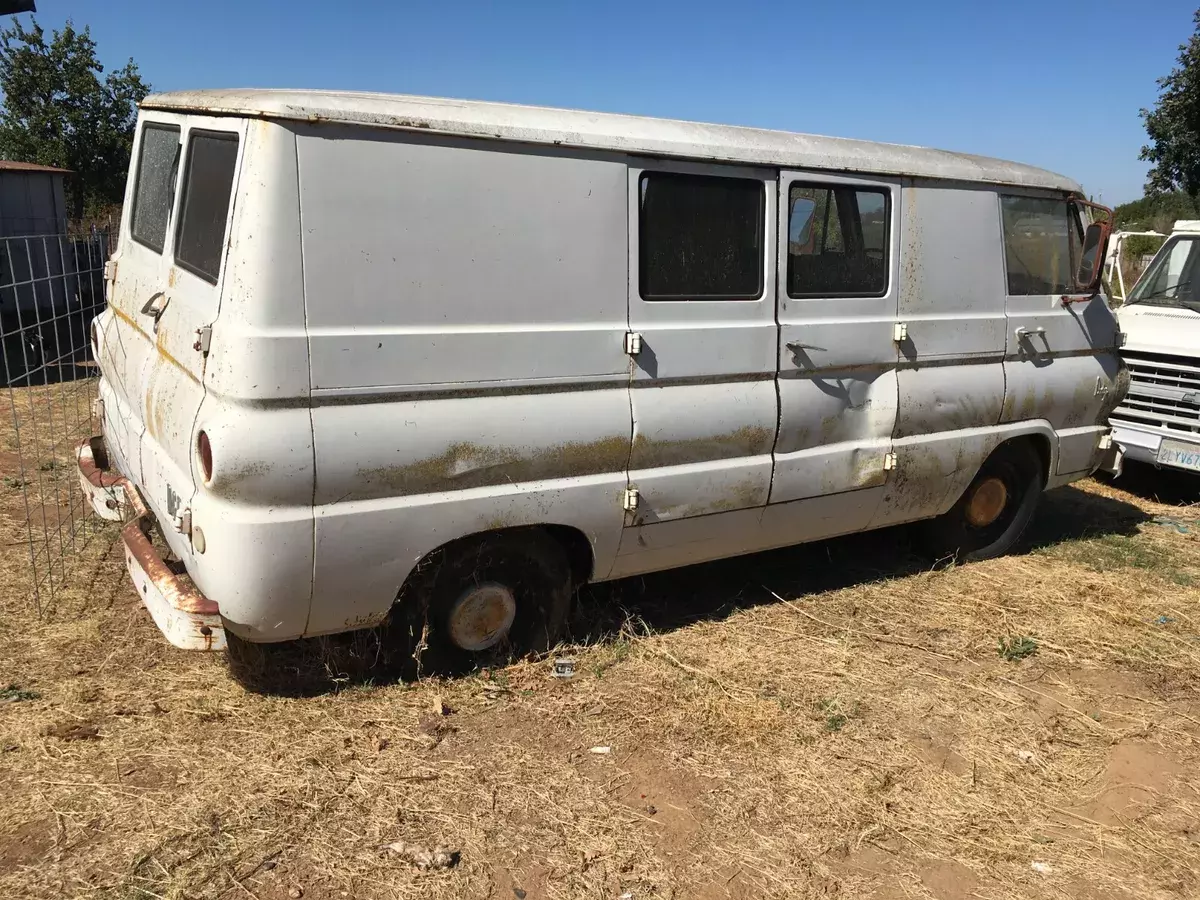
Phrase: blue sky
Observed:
(1055, 83)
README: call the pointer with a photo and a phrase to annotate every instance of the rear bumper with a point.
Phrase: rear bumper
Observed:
(187, 618)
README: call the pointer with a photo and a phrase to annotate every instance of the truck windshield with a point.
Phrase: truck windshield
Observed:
(1172, 277)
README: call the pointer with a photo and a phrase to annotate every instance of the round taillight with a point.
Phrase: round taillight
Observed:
(204, 456)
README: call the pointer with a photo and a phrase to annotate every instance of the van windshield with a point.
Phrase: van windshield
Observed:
(1172, 277)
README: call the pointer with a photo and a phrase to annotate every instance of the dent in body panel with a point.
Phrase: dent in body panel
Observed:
(835, 433)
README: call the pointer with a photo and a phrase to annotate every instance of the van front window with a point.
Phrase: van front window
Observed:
(1171, 280)
(1041, 237)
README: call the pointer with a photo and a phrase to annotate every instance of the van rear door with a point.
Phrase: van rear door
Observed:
(135, 270)
(166, 297)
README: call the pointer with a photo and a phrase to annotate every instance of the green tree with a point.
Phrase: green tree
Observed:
(58, 112)
(1174, 125)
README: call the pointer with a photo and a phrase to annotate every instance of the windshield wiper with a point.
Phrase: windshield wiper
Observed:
(1162, 295)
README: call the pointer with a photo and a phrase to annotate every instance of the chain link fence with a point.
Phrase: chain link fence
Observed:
(51, 288)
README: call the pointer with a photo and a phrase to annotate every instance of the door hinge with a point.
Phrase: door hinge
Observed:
(183, 522)
(630, 500)
(900, 332)
(889, 462)
(110, 276)
(203, 339)
(1120, 339)
(633, 343)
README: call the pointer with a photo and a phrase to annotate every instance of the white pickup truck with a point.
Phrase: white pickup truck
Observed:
(1159, 420)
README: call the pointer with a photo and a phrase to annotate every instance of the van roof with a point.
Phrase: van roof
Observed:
(608, 131)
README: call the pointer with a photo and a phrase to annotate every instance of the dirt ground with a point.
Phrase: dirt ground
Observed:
(835, 720)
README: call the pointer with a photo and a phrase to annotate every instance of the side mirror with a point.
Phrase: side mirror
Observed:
(1089, 270)
(1091, 260)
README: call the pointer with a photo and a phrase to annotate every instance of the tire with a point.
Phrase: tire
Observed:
(526, 567)
(963, 532)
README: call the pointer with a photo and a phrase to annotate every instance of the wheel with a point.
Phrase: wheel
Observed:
(991, 515)
(484, 601)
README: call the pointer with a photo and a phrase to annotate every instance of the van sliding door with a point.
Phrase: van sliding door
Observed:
(702, 306)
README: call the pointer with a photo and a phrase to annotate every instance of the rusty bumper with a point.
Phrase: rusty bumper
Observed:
(186, 617)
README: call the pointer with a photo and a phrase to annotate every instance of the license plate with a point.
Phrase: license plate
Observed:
(1182, 456)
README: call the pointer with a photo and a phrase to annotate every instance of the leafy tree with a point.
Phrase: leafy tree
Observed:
(58, 112)
(1174, 125)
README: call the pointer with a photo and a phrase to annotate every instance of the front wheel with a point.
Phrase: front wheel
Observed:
(486, 600)
(994, 510)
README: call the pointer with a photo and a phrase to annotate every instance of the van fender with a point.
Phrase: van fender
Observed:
(947, 462)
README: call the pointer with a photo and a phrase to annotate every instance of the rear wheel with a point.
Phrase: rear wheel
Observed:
(994, 510)
(486, 600)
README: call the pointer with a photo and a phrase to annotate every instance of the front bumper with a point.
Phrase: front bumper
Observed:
(187, 618)
(1142, 444)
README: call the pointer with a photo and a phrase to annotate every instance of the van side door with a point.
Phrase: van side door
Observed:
(702, 309)
(1060, 362)
(839, 259)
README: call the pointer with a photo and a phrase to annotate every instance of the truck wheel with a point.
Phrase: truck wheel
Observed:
(484, 601)
(994, 510)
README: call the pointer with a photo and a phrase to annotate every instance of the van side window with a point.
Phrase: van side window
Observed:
(154, 189)
(700, 237)
(207, 186)
(1041, 237)
(837, 241)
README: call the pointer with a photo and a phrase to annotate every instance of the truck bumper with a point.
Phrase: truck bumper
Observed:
(1143, 445)
(187, 618)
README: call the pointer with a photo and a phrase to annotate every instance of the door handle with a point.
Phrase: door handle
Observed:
(154, 309)
(797, 346)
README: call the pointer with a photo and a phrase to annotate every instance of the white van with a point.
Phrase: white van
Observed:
(1159, 420)
(471, 355)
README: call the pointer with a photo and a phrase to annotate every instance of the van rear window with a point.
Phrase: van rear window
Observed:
(207, 186)
(154, 189)
(700, 237)
(1040, 234)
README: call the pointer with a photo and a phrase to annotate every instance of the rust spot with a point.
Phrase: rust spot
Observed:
(180, 595)
(464, 465)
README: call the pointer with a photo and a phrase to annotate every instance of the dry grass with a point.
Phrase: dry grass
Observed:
(861, 737)
(41, 505)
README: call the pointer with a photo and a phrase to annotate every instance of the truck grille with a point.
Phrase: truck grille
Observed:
(1164, 392)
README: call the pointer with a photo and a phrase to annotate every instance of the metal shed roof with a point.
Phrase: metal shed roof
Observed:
(607, 131)
(12, 165)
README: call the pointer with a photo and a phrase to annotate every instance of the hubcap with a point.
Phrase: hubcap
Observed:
(987, 502)
(482, 616)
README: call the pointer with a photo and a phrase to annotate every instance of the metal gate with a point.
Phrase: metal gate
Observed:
(51, 287)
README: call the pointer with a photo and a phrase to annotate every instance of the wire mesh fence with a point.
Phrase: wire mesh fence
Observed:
(51, 288)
